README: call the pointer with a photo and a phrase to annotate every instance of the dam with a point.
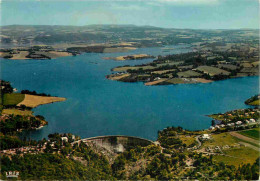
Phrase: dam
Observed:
(117, 143)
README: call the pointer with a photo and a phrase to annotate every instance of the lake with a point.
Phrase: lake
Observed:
(96, 106)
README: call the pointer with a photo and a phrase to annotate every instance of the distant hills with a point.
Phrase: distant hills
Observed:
(142, 36)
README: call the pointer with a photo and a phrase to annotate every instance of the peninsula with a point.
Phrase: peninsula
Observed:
(207, 63)
(130, 57)
(20, 105)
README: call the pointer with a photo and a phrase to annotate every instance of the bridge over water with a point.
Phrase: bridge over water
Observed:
(117, 143)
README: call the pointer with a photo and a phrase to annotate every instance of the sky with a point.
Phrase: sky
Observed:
(192, 14)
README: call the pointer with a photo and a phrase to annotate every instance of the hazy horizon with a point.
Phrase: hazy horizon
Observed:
(179, 14)
(134, 25)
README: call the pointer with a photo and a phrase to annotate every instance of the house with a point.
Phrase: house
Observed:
(211, 127)
(157, 78)
(238, 122)
(247, 121)
(205, 136)
(217, 126)
(65, 139)
(222, 125)
(232, 124)
(252, 121)
(73, 137)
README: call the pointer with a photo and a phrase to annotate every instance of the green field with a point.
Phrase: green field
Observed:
(221, 139)
(255, 103)
(238, 156)
(234, 155)
(175, 81)
(253, 133)
(212, 70)
(189, 73)
(227, 66)
(12, 99)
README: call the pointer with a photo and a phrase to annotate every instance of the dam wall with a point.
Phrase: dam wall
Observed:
(117, 144)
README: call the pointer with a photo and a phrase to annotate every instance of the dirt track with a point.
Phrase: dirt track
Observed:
(242, 137)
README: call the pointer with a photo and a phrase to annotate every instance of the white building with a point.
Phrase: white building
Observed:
(238, 122)
(205, 136)
(211, 127)
(252, 120)
(64, 139)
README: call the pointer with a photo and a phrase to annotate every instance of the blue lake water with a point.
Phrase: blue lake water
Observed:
(96, 106)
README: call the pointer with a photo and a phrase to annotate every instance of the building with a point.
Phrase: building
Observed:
(211, 127)
(252, 121)
(238, 122)
(65, 139)
(205, 136)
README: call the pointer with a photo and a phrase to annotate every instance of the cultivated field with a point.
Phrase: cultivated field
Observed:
(163, 71)
(238, 156)
(118, 49)
(118, 77)
(212, 70)
(228, 66)
(238, 152)
(253, 133)
(189, 73)
(123, 69)
(155, 82)
(17, 112)
(13, 99)
(34, 101)
(54, 54)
